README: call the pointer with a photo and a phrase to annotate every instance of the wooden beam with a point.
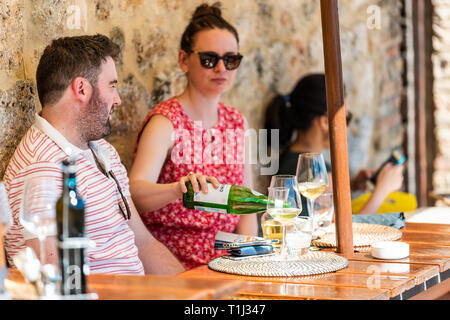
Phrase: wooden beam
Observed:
(337, 125)
(424, 152)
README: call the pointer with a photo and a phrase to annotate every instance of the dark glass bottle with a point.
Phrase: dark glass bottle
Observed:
(71, 234)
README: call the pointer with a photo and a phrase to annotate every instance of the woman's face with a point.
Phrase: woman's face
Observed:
(210, 82)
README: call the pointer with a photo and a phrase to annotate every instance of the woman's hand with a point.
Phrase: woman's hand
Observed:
(390, 178)
(196, 179)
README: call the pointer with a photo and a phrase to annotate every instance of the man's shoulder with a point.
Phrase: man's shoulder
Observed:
(35, 150)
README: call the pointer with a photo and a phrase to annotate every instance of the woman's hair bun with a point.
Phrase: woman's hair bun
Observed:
(206, 10)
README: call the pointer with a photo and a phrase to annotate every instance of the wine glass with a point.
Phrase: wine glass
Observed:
(271, 228)
(324, 209)
(283, 205)
(37, 214)
(290, 182)
(311, 177)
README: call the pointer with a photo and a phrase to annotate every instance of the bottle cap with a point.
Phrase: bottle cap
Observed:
(390, 250)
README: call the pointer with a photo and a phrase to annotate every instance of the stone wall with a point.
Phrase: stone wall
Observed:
(281, 41)
(441, 93)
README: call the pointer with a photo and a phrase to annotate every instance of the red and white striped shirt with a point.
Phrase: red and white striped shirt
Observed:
(40, 154)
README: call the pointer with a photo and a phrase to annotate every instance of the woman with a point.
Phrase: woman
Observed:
(186, 138)
(303, 122)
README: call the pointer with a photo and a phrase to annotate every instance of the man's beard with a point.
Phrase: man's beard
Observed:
(93, 123)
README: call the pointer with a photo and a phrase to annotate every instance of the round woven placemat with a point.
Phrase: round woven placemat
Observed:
(273, 266)
(364, 234)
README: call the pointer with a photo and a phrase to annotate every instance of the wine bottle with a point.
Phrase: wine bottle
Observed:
(225, 199)
(72, 242)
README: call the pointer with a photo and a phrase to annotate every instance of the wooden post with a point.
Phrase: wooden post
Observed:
(423, 78)
(337, 125)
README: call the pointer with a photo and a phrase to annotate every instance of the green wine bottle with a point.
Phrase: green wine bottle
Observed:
(225, 199)
(70, 218)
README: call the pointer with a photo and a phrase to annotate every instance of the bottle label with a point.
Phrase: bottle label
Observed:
(209, 209)
(216, 196)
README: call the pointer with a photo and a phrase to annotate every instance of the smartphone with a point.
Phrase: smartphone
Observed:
(397, 158)
(234, 245)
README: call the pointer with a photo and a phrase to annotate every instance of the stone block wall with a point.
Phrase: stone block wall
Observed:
(441, 93)
(281, 41)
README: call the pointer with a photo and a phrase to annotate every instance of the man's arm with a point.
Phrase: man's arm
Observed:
(155, 257)
(51, 250)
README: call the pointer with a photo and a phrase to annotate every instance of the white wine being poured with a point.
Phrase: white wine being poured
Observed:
(284, 214)
(311, 190)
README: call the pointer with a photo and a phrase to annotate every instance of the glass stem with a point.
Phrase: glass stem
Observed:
(311, 203)
(284, 246)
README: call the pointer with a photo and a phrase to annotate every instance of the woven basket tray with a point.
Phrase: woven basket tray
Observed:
(272, 266)
(364, 234)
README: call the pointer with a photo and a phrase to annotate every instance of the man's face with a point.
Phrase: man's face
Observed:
(94, 120)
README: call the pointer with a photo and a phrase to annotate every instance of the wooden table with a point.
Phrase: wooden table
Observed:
(423, 275)
(115, 287)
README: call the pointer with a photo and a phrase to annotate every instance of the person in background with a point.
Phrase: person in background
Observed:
(302, 120)
(76, 82)
(190, 138)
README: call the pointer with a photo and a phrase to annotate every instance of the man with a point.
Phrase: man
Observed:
(76, 81)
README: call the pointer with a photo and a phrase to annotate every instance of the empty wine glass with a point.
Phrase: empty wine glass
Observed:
(324, 209)
(311, 177)
(37, 214)
(283, 205)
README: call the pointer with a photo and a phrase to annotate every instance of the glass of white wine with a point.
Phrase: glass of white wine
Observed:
(283, 205)
(272, 229)
(312, 177)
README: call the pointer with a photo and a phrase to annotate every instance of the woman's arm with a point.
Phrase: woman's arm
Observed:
(154, 145)
(154, 148)
(390, 179)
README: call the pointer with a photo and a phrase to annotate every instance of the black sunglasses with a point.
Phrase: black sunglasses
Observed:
(127, 216)
(126, 212)
(209, 59)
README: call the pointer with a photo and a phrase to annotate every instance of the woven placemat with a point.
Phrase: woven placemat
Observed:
(364, 234)
(273, 266)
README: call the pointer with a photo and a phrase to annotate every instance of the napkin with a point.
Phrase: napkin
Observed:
(392, 219)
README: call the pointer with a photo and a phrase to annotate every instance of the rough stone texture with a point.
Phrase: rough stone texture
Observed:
(441, 70)
(17, 109)
(11, 40)
(103, 9)
(281, 41)
(117, 36)
(48, 18)
(150, 49)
